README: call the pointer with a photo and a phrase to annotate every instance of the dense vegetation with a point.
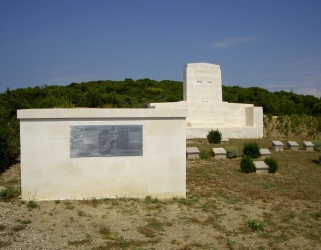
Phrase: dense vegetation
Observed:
(128, 94)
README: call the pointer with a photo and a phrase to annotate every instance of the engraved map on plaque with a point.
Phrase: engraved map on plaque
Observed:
(106, 140)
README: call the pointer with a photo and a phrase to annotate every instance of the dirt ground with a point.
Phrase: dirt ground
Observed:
(224, 209)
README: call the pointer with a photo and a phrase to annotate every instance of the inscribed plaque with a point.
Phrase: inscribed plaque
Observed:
(106, 140)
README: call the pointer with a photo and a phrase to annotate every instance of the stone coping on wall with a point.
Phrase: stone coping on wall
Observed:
(88, 113)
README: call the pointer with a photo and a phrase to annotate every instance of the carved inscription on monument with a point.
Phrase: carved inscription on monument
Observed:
(106, 140)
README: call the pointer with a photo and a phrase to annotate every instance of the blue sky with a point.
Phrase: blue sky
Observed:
(273, 44)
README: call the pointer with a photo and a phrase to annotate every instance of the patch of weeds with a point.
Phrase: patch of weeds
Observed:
(147, 231)
(2, 227)
(156, 225)
(69, 205)
(57, 201)
(205, 154)
(95, 202)
(108, 234)
(184, 201)
(19, 227)
(255, 225)
(9, 193)
(31, 205)
(316, 215)
(149, 199)
(231, 152)
(25, 222)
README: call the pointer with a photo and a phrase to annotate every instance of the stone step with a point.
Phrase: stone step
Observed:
(206, 124)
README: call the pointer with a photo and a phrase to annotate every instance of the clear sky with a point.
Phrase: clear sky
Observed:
(272, 44)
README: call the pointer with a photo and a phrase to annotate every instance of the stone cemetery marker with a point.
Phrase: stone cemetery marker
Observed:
(192, 153)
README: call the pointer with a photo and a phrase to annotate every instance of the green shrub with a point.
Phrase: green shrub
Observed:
(255, 225)
(204, 154)
(272, 163)
(247, 164)
(317, 145)
(9, 193)
(251, 149)
(214, 136)
(31, 205)
(231, 151)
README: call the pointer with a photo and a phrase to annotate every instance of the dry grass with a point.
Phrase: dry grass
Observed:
(224, 209)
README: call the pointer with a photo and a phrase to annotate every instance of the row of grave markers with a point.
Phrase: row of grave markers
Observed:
(292, 145)
(261, 167)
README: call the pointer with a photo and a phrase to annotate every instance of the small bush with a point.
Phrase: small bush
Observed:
(251, 149)
(255, 225)
(272, 163)
(247, 164)
(214, 136)
(204, 154)
(231, 151)
(317, 145)
(9, 193)
(31, 205)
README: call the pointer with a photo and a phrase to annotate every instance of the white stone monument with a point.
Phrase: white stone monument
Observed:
(202, 97)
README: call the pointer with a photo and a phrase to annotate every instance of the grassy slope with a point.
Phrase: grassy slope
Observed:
(221, 203)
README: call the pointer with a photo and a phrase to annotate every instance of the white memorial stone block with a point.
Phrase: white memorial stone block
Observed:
(277, 145)
(192, 153)
(308, 146)
(261, 167)
(219, 153)
(292, 145)
(265, 153)
(225, 141)
(48, 172)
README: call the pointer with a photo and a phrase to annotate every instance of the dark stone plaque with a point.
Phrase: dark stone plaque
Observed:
(106, 140)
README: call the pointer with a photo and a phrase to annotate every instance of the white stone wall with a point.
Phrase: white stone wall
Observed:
(48, 172)
(202, 82)
(202, 94)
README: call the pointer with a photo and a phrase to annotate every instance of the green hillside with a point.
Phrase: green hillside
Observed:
(129, 94)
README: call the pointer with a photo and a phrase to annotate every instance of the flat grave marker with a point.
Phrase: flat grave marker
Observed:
(293, 145)
(225, 141)
(308, 146)
(192, 153)
(219, 153)
(265, 153)
(277, 145)
(261, 167)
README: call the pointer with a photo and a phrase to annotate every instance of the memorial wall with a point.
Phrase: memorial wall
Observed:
(202, 97)
(86, 153)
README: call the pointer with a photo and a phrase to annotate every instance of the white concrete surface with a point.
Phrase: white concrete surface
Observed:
(265, 153)
(203, 98)
(308, 146)
(48, 172)
(277, 145)
(225, 141)
(192, 153)
(219, 153)
(261, 167)
(293, 145)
